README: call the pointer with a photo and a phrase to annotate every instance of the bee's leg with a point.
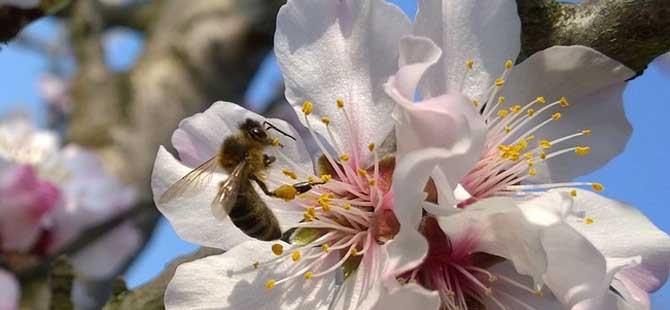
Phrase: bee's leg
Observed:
(268, 160)
(263, 186)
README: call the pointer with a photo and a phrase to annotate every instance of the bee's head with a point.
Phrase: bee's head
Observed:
(254, 130)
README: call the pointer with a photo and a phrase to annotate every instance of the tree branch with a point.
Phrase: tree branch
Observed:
(633, 32)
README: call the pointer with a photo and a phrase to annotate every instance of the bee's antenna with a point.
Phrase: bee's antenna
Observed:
(270, 126)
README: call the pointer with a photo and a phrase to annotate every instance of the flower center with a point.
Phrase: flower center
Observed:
(459, 275)
(512, 151)
(342, 218)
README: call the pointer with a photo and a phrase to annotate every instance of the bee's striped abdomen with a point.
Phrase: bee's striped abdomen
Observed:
(253, 217)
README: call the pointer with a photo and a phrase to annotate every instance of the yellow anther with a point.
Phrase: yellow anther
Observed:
(573, 193)
(515, 108)
(545, 144)
(501, 100)
(307, 217)
(564, 102)
(361, 172)
(287, 172)
(346, 206)
(372, 182)
(307, 107)
(556, 116)
(528, 156)
(507, 129)
(493, 278)
(503, 113)
(295, 256)
(269, 284)
(286, 192)
(540, 99)
(277, 249)
(325, 207)
(309, 275)
(354, 251)
(543, 155)
(255, 264)
(275, 142)
(344, 157)
(325, 248)
(530, 138)
(326, 177)
(588, 220)
(325, 120)
(586, 132)
(475, 103)
(530, 112)
(598, 187)
(509, 64)
(371, 147)
(539, 293)
(500, 82)
(469, 64)
(488, 291)
(532, 171)
(311, 179)
(311, 211)
(324, 202)
(582, 150)
(340, 103)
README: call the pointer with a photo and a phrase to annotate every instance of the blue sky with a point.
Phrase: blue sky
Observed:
(639, 176)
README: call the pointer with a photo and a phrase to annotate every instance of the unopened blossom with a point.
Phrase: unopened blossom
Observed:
(495, 130)
(51, 194)
(335, 56)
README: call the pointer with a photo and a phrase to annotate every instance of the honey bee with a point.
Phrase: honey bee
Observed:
(242, 157)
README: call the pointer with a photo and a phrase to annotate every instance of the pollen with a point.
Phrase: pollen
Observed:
(269, 284)
(532, 172)
(540, 100)
(545, 144)
(344, 157)
(515, 108)
(346, 206)
(509, 64)
(500, 82)
(564, 102)
(325, 120)
(311, 211)
(287, 172)
(277, 249)
(469, 64)
(324, 202)
(586, 132)
(372, 182)
(275, 142)
(340, 103)
(307, 217)
(530, 112)
(286, 192)
(543, 155)
(371, 147)
(295, 256)
(501, 100)
(582, 150)
(309, 275)
(588, 220)
(326, 177)
(361, 172)
(354, 251)
(325, 248)
(573, 193)
(598, 187)
(307, 107)
(556, 116)
(503, 113)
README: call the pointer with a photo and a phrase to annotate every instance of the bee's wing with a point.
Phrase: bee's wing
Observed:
(227, 196)
(193, 182)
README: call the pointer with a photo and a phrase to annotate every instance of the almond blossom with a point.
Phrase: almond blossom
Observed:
(335, 56)
(51, 194)
(517, 132)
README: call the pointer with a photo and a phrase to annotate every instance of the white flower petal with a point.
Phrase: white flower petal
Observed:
(228, 281)
(191, 216)
(619, 230)
(593, 85)
(406, 251)
(9, 291)
(364, 288)
(104, 257)
(410, 296)
(487, 32)
(512, 296)
(331, 50)
(416, 55)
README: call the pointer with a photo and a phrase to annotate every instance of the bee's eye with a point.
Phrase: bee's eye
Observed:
(258, 134)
